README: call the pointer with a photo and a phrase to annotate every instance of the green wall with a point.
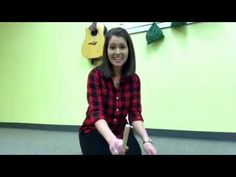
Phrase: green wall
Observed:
(188, 79)
(42, 73)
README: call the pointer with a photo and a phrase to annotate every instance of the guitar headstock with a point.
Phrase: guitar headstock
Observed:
(93, 29)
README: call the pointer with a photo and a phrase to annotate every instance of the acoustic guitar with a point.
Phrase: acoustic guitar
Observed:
(92, 47)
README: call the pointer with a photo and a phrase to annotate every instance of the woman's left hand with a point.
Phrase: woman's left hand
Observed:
(149, 148)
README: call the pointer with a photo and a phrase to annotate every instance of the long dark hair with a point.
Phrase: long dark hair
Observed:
(130, 66)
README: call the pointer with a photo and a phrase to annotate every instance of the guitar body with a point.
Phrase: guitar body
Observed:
(92, 46)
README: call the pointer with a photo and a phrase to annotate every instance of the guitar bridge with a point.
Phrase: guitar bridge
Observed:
(92, 43)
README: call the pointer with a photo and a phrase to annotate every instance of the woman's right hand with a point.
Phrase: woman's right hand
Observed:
(116, 147)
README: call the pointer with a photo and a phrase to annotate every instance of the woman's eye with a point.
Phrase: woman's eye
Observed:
(122, 47)
(112, 48)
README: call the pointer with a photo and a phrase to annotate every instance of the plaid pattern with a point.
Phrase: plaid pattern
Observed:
(113, 105)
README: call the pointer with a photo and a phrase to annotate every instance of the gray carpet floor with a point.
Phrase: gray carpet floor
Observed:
(20, 141)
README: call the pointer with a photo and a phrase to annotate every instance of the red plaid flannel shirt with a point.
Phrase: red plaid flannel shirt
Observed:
(110, 103)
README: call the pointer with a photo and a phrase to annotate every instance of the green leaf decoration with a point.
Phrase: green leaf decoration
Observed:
(154, 34)
(177, 24)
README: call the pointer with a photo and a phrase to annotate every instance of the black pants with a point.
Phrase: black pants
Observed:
(94, 144)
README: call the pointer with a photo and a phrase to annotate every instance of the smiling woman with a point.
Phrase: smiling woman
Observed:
(113, 94)
(117, 52)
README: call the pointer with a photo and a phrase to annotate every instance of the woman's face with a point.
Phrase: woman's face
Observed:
(117, 51)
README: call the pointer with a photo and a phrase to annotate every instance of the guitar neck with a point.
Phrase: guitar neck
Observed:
(93, 28)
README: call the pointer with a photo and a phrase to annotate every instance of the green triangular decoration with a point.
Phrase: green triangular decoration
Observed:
(154, 33)
(177, 24)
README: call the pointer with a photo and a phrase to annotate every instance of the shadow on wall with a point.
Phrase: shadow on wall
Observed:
(155, 45)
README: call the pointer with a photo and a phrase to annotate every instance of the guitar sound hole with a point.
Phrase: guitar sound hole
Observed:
(94, 33)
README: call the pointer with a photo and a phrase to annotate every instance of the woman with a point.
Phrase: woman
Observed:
(113, 92)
